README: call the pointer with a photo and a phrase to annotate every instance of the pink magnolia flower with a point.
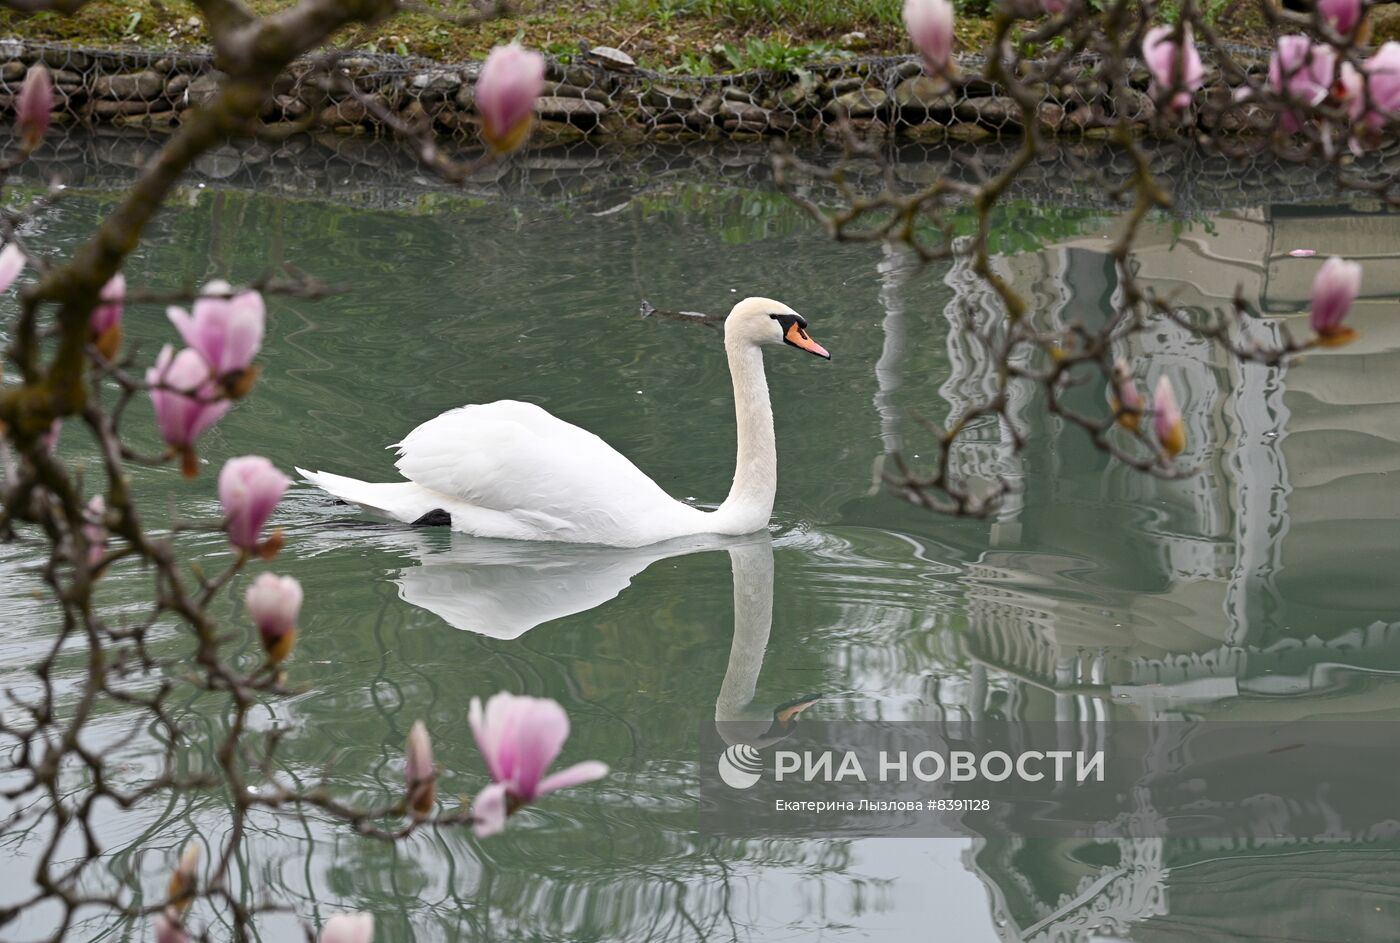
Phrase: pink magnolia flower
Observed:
(34, 106)
(418, 771)
(105, 325)
(249, 489)
(11, 264)
(1166, 419)
(1383, 75)
(519, 737)
(185, 401)
(1334, 290)
(226, 331)
(1374, 99)
(274, 603)
(1303, 73)
(348, 928)
(930, 26)
(1124, 397)
(511, 81)
(1341, 15)
(95, 529)
(1172, 67)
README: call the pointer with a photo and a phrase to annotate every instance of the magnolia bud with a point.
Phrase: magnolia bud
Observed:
(930, 26)
(34, 107)
(418, 771)
(1334, 289)
(511, 81)
(1166, 419)
(274, 603)
(1124, 396)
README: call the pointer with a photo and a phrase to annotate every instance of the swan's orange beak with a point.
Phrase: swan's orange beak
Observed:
(786, 713)
(797, 336)
(785, 717)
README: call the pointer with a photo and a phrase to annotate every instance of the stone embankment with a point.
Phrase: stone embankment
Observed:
(886, 97)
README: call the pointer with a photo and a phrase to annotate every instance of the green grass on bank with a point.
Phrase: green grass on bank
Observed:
(806, 15)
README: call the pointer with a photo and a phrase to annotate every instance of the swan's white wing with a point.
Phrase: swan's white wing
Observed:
(518, 459)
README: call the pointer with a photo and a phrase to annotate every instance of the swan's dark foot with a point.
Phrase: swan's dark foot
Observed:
(437, 517)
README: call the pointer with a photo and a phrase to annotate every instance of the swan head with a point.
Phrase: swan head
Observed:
(763, 321)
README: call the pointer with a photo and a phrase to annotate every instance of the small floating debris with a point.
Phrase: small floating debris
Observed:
(650, 310)
(1303, 253)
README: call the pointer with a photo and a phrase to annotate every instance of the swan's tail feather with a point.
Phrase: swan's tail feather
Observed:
(400, 500)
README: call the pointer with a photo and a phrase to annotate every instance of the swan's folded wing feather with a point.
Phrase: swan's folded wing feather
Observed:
(511, 456)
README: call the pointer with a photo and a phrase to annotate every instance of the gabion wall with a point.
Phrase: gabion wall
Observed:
(879, 97)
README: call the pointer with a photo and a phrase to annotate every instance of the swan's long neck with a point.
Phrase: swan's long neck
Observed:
(750, 501)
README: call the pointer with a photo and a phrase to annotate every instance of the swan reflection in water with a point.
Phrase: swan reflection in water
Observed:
(504, 589)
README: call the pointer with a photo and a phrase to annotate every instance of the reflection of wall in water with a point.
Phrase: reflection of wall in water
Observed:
(1257, 579)
(1272, 548)
(1154, 890)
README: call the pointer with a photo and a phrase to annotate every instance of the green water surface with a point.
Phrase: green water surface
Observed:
(1261, 588)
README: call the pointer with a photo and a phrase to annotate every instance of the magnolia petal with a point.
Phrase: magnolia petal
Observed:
(1342, 15)
(576, 775)
(206, 416)
(189, 329)
(485, 741)
(489, 811)
(11, 264)
(247, 318)
(540, 729)
(348, 928)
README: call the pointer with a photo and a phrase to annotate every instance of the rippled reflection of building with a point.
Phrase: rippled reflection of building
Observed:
(1260, 577)
(1252, 576)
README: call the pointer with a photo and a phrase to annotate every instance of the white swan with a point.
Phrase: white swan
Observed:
(511, 470)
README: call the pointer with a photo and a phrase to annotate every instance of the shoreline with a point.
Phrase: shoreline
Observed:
(376, 172)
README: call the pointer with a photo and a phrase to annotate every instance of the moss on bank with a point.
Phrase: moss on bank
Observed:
(687, 36)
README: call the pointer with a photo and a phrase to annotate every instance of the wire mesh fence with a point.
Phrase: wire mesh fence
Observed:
(602, 95)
